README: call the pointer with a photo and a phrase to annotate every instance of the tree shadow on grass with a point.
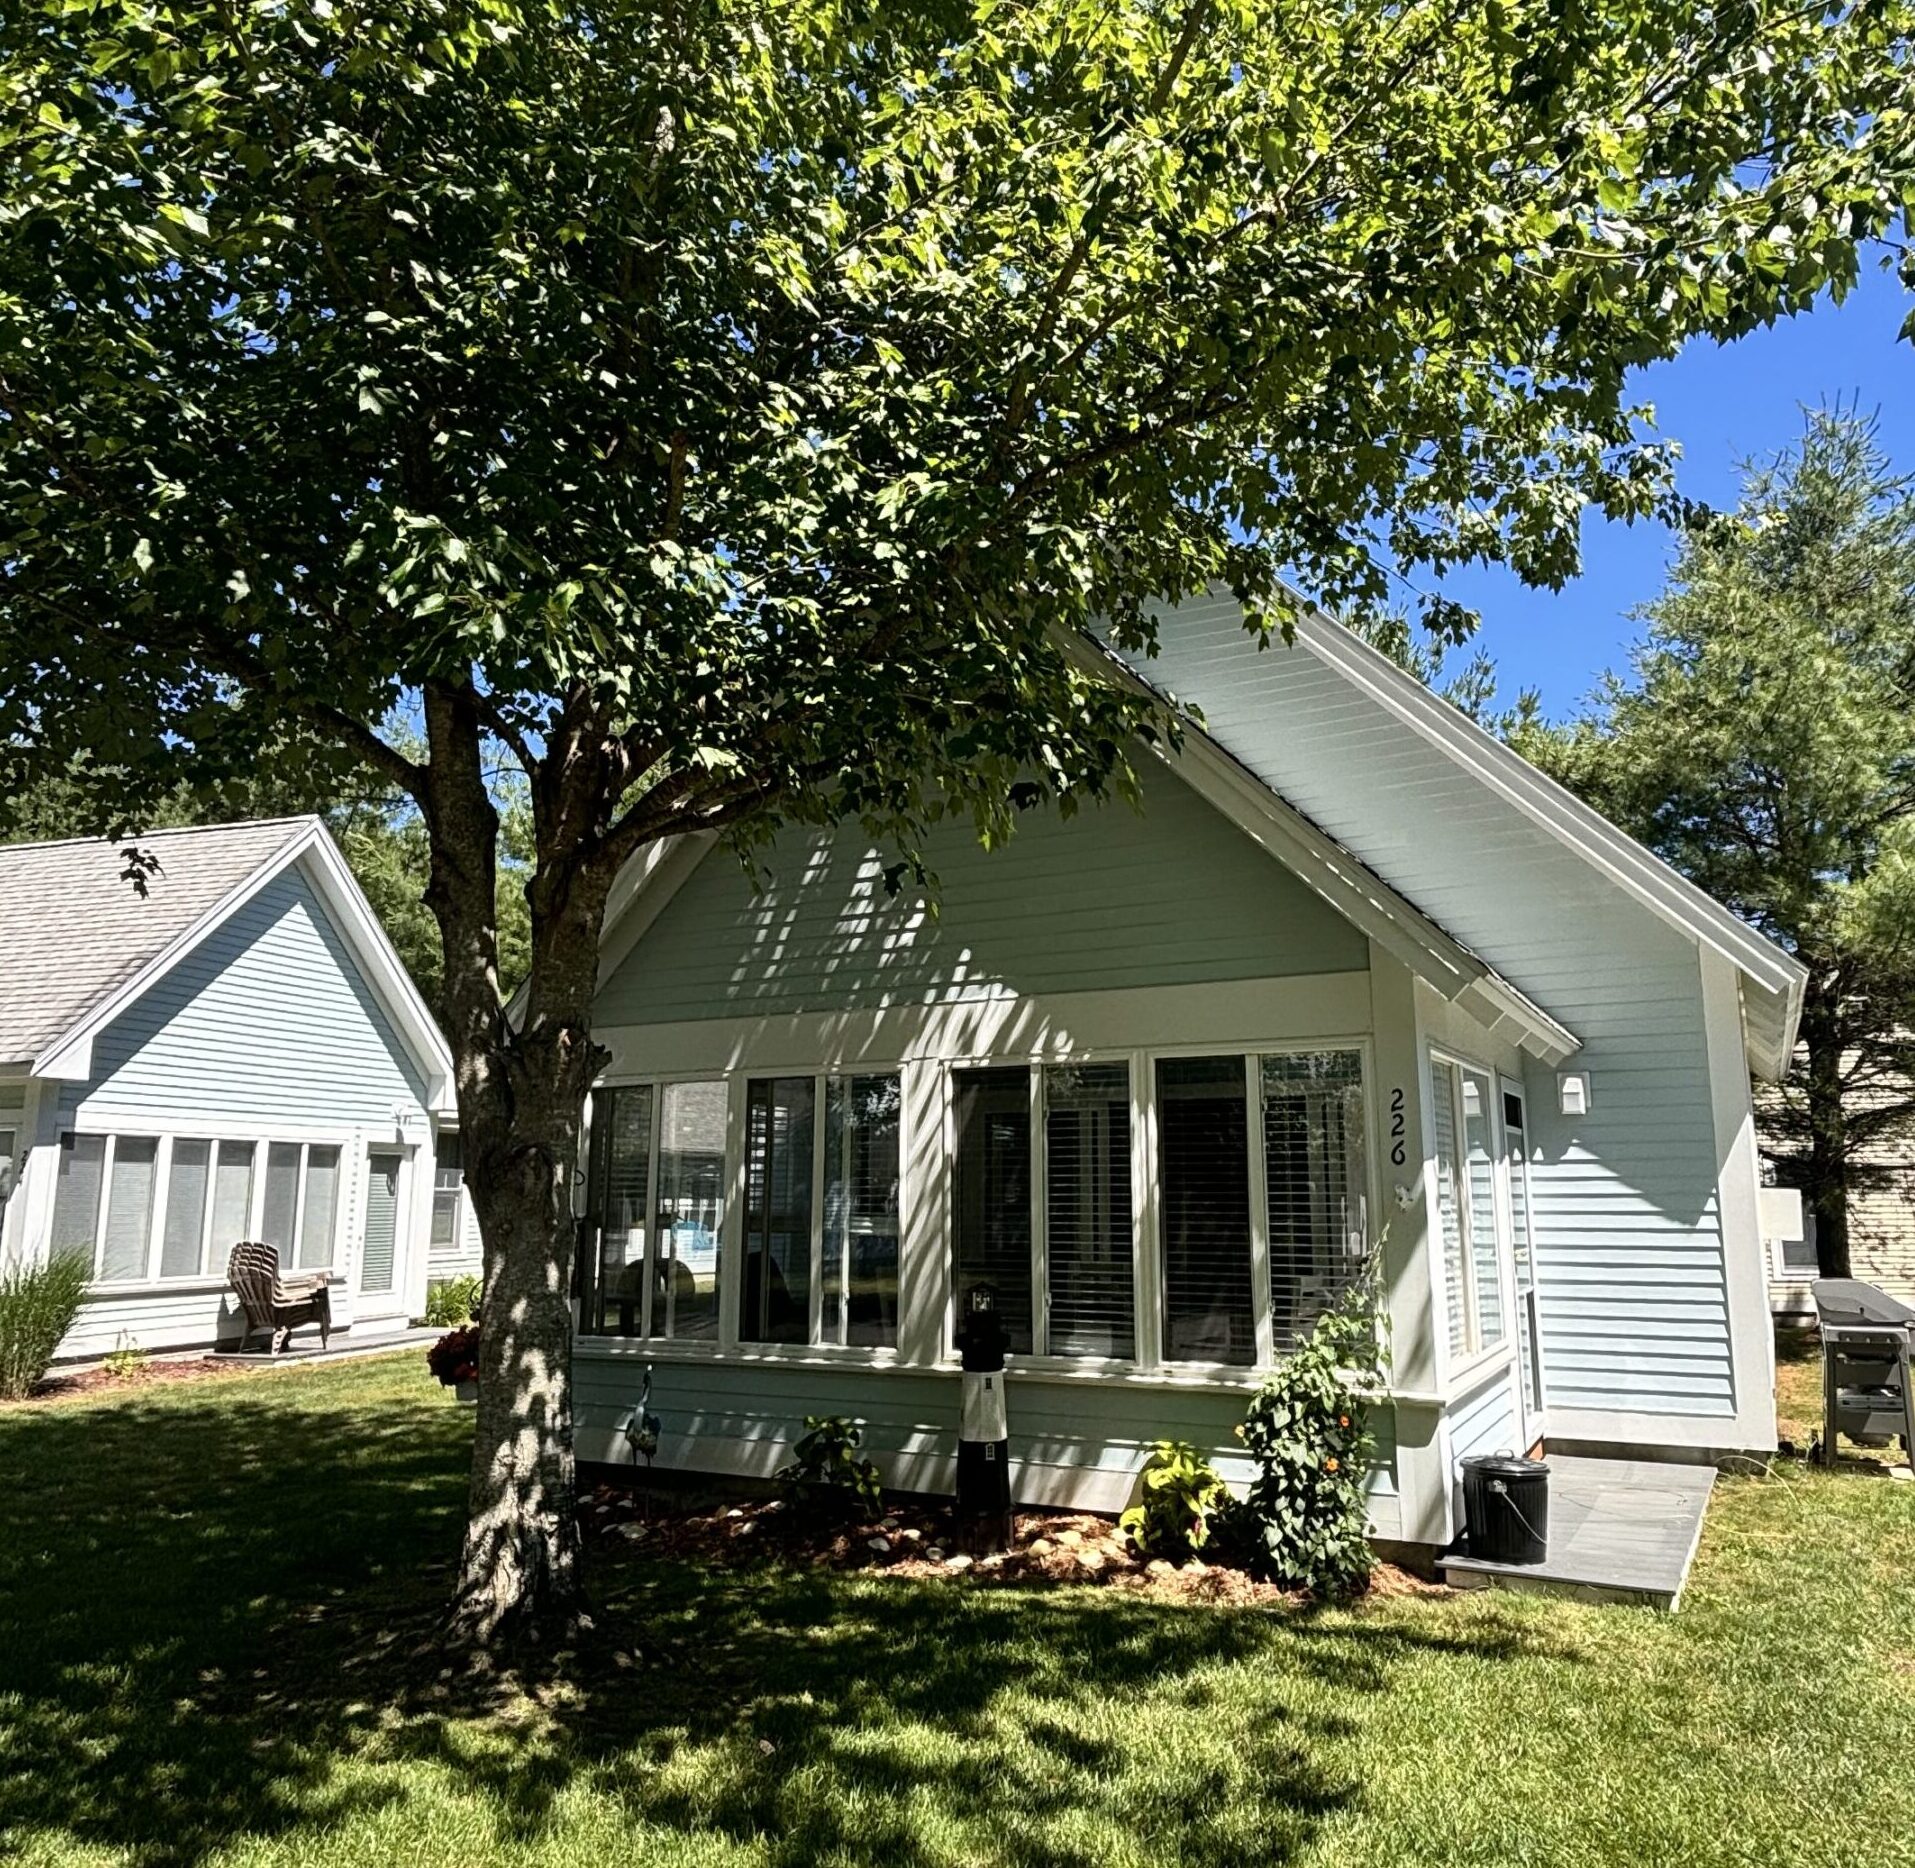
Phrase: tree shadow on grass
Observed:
(217, 1622)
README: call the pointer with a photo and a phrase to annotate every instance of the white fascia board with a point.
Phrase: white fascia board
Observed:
(1566, 817)
(69, 1058)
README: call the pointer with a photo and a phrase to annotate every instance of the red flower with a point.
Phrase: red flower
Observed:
(454, 1357)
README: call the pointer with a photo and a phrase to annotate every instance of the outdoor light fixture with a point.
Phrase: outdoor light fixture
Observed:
(1572, 1092)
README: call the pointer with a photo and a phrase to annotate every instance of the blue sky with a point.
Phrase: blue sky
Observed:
(1725, 404)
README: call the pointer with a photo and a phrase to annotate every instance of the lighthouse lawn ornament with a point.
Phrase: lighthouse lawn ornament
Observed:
(984, 1465)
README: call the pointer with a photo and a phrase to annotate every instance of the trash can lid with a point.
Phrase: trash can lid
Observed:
(1505, 1466)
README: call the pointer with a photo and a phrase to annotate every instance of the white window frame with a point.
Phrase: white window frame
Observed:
(212, 1276)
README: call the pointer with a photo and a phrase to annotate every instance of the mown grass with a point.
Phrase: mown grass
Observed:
(216, 1607)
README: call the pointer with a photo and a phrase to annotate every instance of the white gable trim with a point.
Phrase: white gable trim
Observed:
(1773, 980)
(70, 1056)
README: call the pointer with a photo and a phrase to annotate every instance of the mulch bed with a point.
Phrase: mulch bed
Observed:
(62, 1384)
(919, 1541)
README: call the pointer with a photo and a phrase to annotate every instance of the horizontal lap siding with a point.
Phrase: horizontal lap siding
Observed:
(1486, 1422)
(1625, 1198)
(267, 1021)
(1106, 899)
(1072, 1443)
(149, 1321)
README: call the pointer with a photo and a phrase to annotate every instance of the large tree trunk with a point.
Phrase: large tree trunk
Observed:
(1826, 1181)
(521, 1107)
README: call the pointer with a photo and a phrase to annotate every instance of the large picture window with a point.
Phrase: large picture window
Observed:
(1316, 1181)
(992, 1192)
(1087, 1211)
(1204, 1179)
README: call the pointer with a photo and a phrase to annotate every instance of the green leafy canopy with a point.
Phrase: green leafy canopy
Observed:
(760, 387)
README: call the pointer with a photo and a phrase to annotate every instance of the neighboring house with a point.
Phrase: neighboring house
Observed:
(1357, 981)
(236, 1053)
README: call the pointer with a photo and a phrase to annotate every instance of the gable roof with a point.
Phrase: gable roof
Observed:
(1248, 701)
(79, 944)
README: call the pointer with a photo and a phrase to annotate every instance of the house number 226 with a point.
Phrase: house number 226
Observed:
(1398, 1153)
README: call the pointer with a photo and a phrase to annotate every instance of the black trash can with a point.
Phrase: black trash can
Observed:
(1506, 1508)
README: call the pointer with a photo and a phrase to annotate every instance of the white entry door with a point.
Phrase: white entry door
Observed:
(1522, 1239)
(379, 1237)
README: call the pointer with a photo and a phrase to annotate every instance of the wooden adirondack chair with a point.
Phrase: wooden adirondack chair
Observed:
(275, 1304)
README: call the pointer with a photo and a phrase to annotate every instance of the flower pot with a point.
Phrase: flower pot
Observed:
(467, 1392)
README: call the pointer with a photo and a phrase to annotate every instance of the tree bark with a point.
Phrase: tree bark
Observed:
(521, 1095)
(1826, 1182)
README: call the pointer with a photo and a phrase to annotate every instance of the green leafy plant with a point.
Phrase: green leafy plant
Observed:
(454, 1301)
(826, 1472)
(1182, 1504)
(1304, 1521)
(126, 1360)
(37, 1306)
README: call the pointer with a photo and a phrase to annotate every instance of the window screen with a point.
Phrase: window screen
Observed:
(1204, 1175)
(1316, 1180)
(1087, 1210)
(691, 1196)
(321, 1207)
(992, 1219)
(775, 1305)
(188, 1175)
(129, 1208)
(76, 1196)
(232, 1199)
(861, 1224)
(620, 1205)
(281, 1205)
(448, 1178)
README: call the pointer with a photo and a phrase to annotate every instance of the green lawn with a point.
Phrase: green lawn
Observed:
(215, 1605)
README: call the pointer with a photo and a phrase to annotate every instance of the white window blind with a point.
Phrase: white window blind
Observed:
(861, 1216)
(992, 1219)
(380, 1239)
(1316, 1180)
(691, 1198)
(188, 1176)
(1204, 1178)
(279, 1214)
(1087, 1210)
(128, 1231)
(775, 1304)
(76, 1195)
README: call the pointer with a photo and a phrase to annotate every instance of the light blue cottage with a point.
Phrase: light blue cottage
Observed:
(237, 1052)
(1357, 981)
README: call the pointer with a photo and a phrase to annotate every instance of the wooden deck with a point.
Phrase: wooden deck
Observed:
(1620, 1530)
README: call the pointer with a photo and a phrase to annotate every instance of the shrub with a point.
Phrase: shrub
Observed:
(126, 1359)
(37, 1306)
(1304, 1521)
(825, 1472)
(1182, 1504)
(453, 1301)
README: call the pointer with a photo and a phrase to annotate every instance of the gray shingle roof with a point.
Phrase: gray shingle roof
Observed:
(72, 930)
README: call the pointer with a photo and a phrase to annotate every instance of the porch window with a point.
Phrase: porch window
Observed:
(862, 1222)
(1466, 1206)
(188, 1180)
(1087, 1211)
(691, 1210)
(780, 1122)
(992, 1195)
(619, 1193)
(1204, 1173)
(129, 1208)
(1315, 1178)
(300, 1207)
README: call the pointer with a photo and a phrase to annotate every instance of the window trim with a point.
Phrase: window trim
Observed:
(1475, 1360)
